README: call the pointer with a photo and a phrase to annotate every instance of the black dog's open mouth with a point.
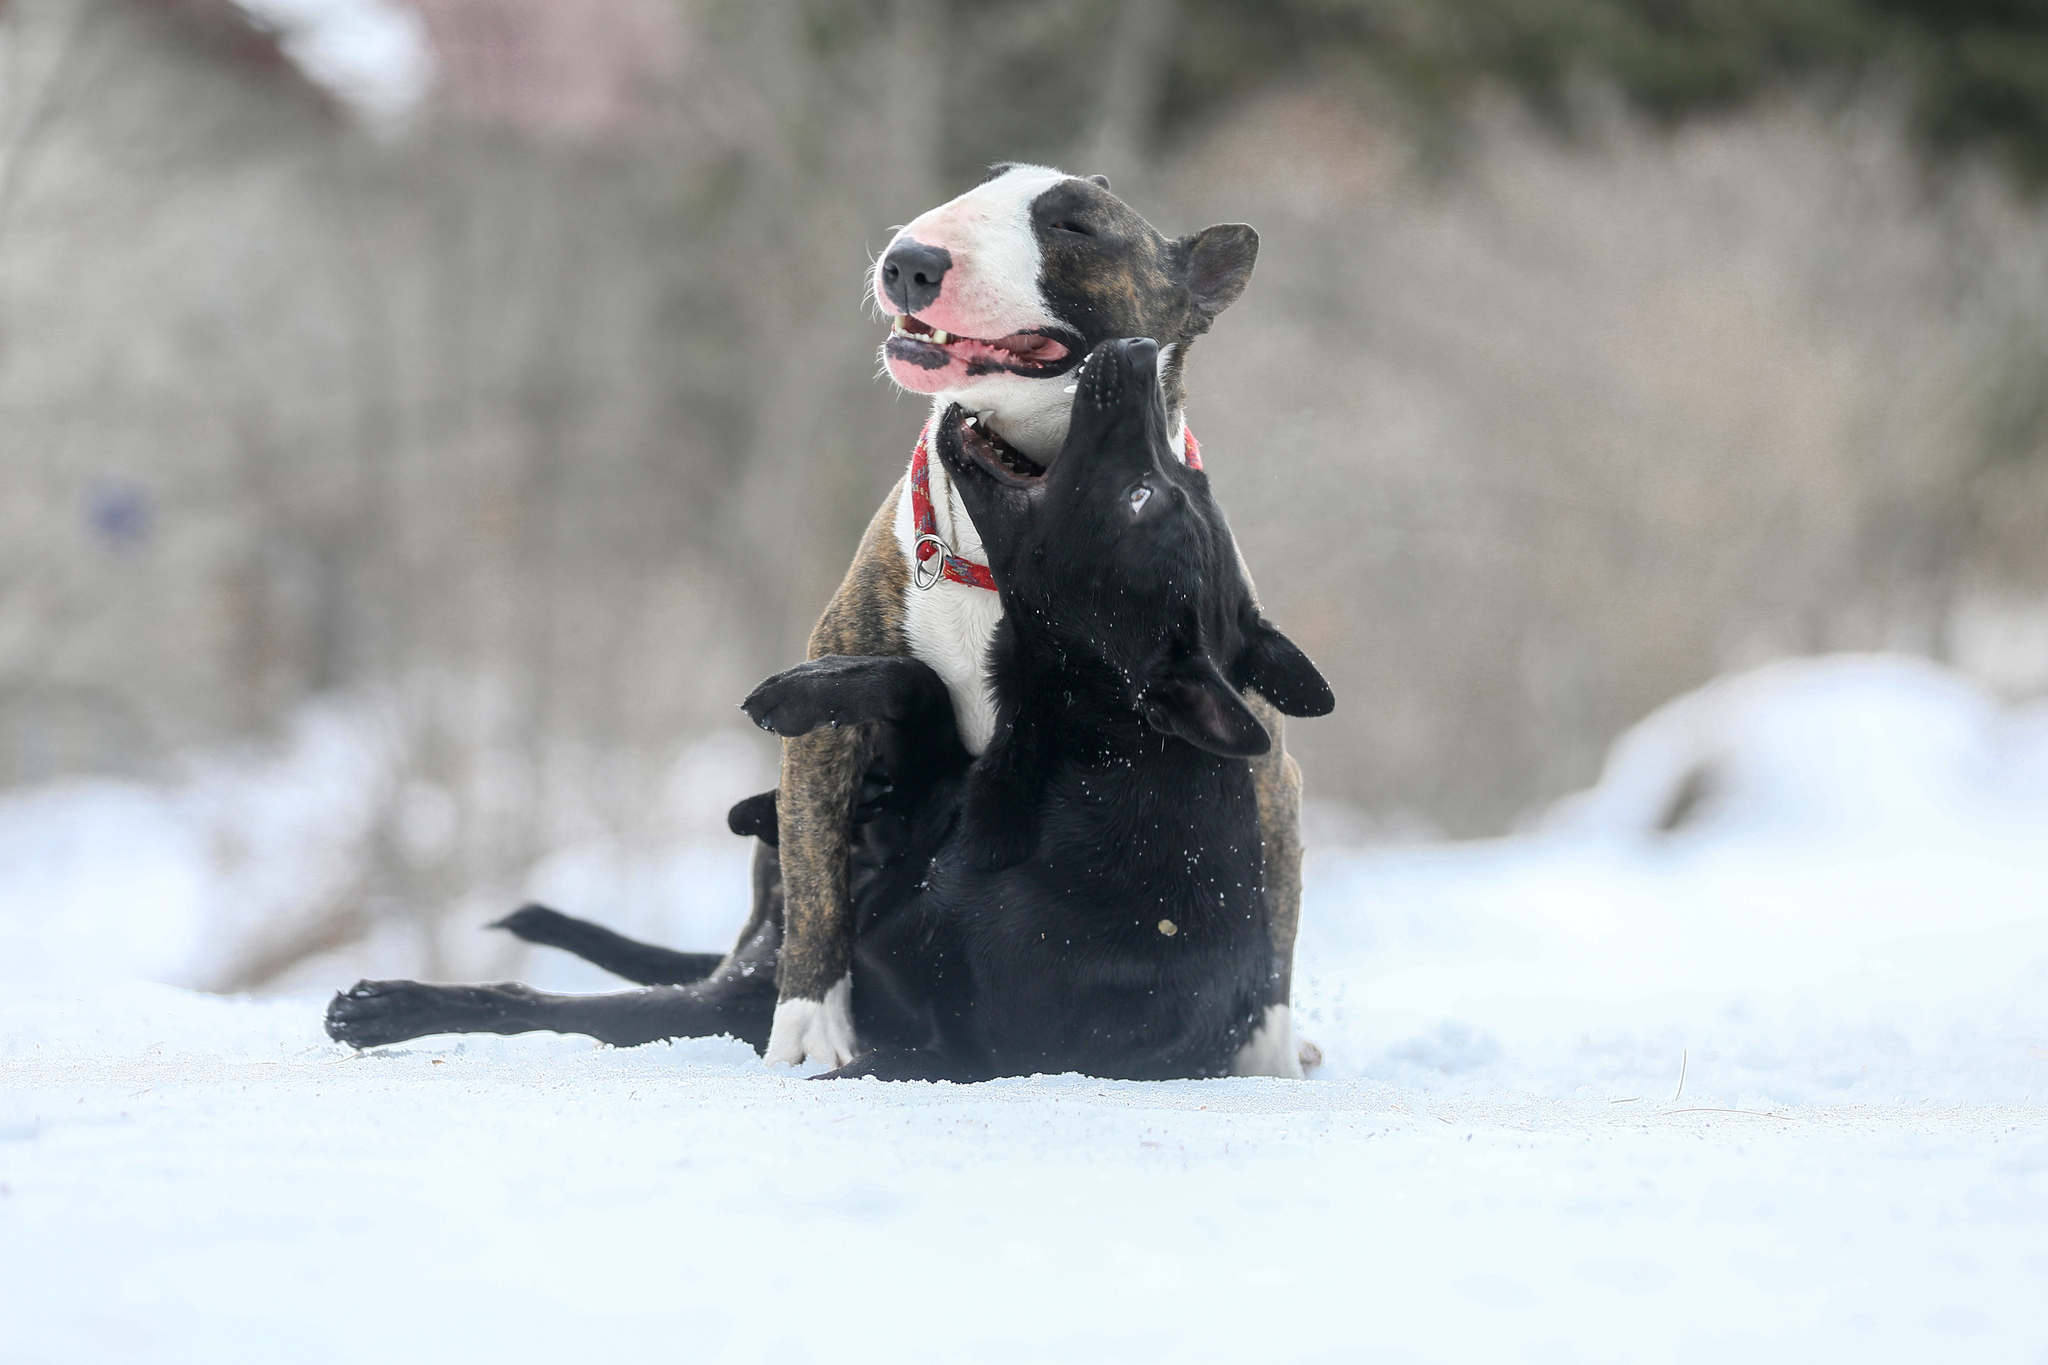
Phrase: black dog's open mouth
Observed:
(965, 441)
(1038, 354)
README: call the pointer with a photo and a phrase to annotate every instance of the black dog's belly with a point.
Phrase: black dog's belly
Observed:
(1077, 973)
(1096, 1024)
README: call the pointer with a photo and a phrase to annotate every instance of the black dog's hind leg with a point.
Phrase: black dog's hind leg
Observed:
(617, 954)
(374, 1013)
(738, 998)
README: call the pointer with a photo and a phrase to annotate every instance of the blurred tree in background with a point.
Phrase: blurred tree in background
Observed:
(1976, 70)
(524, 397)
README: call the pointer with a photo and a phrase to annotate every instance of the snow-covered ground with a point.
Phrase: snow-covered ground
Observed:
(1768, 1083)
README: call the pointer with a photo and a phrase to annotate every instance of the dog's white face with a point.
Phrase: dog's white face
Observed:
(987, 338)
(995, 297)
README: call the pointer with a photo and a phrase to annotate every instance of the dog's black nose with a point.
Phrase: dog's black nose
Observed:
(912, 272)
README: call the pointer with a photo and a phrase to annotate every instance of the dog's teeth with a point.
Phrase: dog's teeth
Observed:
(899, 324)
(1071, 388)
(969, 421)
(942, 337)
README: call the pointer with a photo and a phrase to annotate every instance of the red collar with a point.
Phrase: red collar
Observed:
(926, 523)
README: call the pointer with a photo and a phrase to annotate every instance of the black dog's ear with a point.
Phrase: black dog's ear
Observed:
(1101, 180)
(1198, 704)
(1274, 667)
(1220, 261)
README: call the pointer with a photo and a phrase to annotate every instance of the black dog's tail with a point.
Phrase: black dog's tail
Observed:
(617, 954)
(753, 818)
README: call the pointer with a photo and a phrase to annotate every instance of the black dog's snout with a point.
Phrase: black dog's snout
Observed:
(1115, 366)
(1139, 357)
(912, 273)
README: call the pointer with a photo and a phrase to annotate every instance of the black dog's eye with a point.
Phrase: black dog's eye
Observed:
(1069, 225)
(1139, 496)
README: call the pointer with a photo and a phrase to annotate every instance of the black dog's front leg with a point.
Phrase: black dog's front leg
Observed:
(847, 689)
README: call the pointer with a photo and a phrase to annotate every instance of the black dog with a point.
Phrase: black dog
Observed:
(1086, 895)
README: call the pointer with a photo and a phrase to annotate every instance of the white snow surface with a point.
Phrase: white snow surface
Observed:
(1767, 1085)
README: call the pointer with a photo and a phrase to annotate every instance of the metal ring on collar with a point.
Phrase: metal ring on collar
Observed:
(935, 566)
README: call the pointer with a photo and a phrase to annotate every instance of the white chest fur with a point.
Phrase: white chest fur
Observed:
(950, 624)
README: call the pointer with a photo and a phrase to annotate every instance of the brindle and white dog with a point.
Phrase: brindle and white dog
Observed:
(995, 298)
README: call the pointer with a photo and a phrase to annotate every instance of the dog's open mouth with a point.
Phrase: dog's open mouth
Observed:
(1032, 354)
(965, 437)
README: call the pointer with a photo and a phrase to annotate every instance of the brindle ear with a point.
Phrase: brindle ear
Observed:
(1274, 667)
(1220, 261)
(1198, 704)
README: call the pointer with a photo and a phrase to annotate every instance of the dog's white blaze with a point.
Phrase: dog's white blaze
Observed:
(993, 292)
(995, 271)
(950, 624)
(1271, 1050)
(992, 286)
(814, 1030)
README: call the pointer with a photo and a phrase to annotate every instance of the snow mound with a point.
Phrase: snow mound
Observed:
(1818, 882)
(1822, 748)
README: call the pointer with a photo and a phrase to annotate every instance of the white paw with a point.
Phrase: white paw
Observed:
(1271, 1050)
(815, 1030)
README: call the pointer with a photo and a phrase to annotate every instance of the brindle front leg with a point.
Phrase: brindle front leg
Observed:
(821, 776)
(1276, 778)
(838, 694)
(821, 779)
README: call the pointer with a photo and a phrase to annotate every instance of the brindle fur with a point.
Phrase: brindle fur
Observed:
(1129, 280)
(1276, 780)
(822, 771)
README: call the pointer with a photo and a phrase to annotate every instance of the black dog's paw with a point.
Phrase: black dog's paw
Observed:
(755, 818)
(376, 1013)
(369, 1014)
(793, 702)
(839, 689)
